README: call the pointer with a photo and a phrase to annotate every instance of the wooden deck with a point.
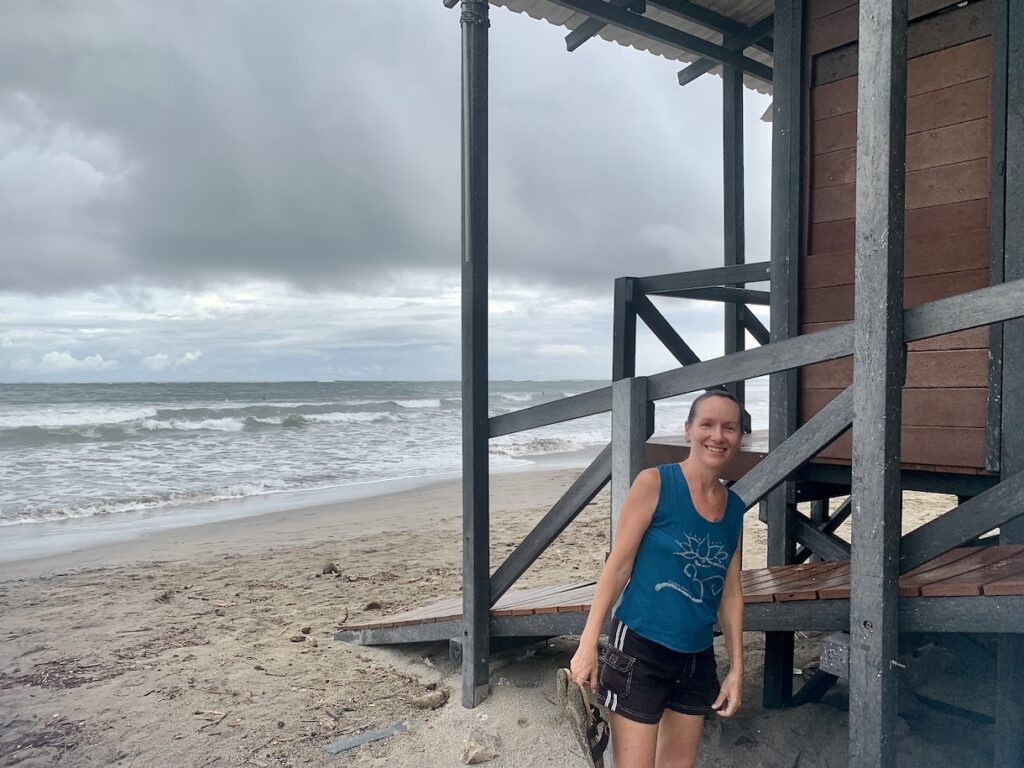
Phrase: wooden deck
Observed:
(977, 572)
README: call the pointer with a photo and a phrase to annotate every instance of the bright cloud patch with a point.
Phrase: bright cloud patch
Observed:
(64, 361)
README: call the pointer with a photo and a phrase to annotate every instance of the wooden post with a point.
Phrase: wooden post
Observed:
(734, 234)
(624, 329)
(879, 366)
(819, 514)
(787, 206)
(632, 424)
(476, 576)
(1009, 42)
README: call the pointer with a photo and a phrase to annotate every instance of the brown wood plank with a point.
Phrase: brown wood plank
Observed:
(927, 149)
(973, 338)
(792, 577)
(973, 582)
(939, 449)
(810, 590)
(946, 184)
(754, 578)
(1011, 585)
(944, 107)
(952, 368)
(958, 561)
(816, 9)
(835, 302)
(964, 407)
(828, 237)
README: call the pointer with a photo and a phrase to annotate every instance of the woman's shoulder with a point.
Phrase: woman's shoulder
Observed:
(736, 502)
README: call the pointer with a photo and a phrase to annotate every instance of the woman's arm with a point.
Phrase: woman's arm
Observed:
(634, 518)
(730, 617)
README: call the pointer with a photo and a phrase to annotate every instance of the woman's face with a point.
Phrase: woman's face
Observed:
(715, 433)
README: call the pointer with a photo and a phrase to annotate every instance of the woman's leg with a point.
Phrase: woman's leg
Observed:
(633, 744)
(678, 739)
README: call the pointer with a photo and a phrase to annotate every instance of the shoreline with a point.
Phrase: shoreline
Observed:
(28, 545)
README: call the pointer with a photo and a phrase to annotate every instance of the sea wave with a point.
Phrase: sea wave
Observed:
(536, 446)
(429, 402)
(78, 417)
(512, 397)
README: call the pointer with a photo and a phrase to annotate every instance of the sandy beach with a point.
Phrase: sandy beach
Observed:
(213, 646)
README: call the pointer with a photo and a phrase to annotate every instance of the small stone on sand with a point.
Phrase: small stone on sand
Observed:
(480, 747)
(430, 700)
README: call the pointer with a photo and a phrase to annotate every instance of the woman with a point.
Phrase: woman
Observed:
(677, 544)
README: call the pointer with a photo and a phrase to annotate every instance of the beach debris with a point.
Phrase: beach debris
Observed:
(430, 700)
(165, 596)
(298, 638)
(365, 738)
(313, 642)
(343, 618)
(213, 715)
(306, 630)
(373, 605)
(330, 567)
(480, 747)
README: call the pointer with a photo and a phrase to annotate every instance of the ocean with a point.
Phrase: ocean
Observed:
(131, 451)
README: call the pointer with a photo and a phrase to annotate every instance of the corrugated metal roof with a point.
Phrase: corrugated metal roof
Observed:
(746, 12)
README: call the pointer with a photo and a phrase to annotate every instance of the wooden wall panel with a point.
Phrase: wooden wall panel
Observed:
(921, 407)
(947, 227)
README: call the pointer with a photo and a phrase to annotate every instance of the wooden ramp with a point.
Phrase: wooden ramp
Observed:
(970, 589)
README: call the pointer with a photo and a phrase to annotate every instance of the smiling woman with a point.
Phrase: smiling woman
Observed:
(675, 563)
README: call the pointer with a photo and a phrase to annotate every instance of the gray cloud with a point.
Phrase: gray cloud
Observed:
(317, 143)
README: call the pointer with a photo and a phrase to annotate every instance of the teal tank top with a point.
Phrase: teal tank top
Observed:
(676, 586)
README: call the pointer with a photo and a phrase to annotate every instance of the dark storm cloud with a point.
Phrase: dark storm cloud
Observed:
(318, 142)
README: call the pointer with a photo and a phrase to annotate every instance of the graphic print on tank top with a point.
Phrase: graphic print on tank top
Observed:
(704, 569)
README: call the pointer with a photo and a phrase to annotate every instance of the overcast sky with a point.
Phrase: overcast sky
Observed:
(260, 189)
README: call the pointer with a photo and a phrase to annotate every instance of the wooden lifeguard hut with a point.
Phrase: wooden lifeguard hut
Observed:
(897, 252)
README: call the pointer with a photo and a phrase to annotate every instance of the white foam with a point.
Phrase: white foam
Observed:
(425, 403)
(74, 417)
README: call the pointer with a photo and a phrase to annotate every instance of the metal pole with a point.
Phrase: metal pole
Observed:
(787, 158)
(879, 368)
(476, 590)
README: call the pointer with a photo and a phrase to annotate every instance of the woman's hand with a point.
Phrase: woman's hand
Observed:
(583, 666)
(731, 695)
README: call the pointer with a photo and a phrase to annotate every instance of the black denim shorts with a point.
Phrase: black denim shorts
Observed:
(639, 678)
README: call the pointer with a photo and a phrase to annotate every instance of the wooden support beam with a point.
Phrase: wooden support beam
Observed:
(476, 588)
(1009, 736)
(788, 107)
(879, 372)
(624, 329)
(591, 27)
(736, 41)
(755, 327)
(632, 424)
(827, 546)
(828, 526)
(663, 33)
(974, 517)
(819, 514)
(723, 293)
(796, 450)
(565, 510)
(757, 272)
(664, 331)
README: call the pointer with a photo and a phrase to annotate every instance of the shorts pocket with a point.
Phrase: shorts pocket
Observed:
(616, 673)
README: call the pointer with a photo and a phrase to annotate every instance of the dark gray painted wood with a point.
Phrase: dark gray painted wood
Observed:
(475, 427)
(966, 310)
(820, 430)
(997, 209)
(879, 362)
(786, 247)
(632, 424)
(1009, 702)
(566, 409)
(963, 524)
(723, 293)
(734, 231)
(826, 546)
(828, 526)
(757, 272)
(591, 27)
(624, 329)
(664, 331)
(755, 327)
(737, 41)
(663, 33)
(819, 514)
(565, 510)
(813, 690)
